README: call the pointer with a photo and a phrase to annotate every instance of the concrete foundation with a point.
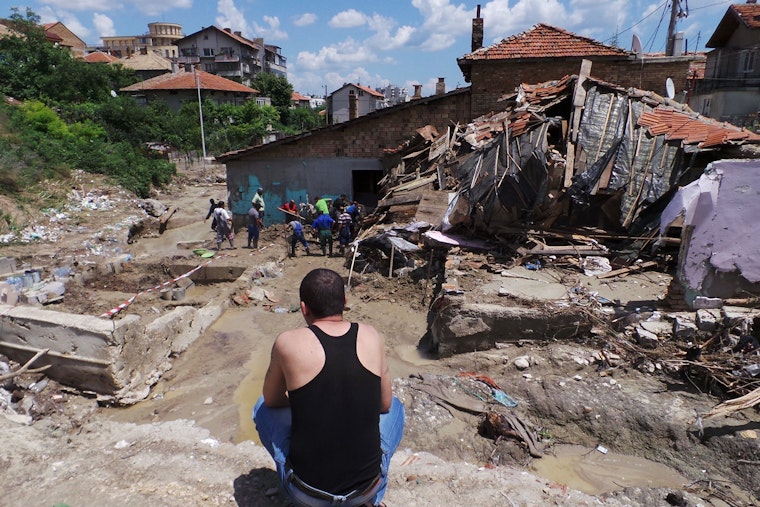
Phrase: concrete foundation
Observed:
(459, 327)
(117, 359)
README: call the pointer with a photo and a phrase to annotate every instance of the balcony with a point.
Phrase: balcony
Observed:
(191, 60)
(229, 73)
(224, 58)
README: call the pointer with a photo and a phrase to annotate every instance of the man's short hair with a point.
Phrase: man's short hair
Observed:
(323, 292)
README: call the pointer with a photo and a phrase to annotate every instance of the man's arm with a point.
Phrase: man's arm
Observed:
(275, 388)
(386, 392)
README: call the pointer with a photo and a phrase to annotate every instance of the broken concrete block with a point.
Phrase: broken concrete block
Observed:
(54, 289)
(8, 294)
(684, 328)
(7, 265)
(646, 339)
(708, 319)
(702, 302)
(658, 327)
(738, 316)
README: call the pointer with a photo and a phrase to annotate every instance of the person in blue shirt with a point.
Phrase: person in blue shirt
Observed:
(323, 225)
(297, 236)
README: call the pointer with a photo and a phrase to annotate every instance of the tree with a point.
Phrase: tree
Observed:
(275, 87)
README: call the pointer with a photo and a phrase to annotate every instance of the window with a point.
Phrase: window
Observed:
(748, 61)
(706, 103)
(209, 67)
(208, 51)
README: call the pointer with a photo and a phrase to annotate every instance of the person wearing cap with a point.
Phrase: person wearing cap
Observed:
(258, 197)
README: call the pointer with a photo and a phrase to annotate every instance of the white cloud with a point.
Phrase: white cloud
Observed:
(270, 30)
(343, 55)
(79, 5)
(154, 7)
(229, 16)
(305, 19)
(103, 25)
(348, 19)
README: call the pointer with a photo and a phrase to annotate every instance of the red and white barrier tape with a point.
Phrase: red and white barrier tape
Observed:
(110, 313)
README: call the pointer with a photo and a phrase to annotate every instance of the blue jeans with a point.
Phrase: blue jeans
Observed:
(274, 424)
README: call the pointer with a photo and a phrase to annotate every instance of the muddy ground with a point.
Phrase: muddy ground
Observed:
(192, 441)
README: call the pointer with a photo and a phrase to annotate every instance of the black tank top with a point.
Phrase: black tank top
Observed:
(335, 442)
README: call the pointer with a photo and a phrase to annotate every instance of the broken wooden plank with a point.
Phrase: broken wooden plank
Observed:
(563, 250)
(401, 199)
(416, 183)
(629, 269)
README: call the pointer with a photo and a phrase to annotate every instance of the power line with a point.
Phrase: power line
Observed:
(638, 22)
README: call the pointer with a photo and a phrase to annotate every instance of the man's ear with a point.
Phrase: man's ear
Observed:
(304, 309)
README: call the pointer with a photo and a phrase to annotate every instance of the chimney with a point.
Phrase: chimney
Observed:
(353, 105)
(477, 31)
(238, 33)
(678, 44)
(417, 92)
(440, 86)
(228, 30)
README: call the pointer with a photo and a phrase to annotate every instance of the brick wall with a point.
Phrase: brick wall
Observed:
(369, 135)
(492, 80)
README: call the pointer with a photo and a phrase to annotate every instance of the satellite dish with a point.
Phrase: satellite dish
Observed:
(113, 93)
(670, 88)
(636, 45)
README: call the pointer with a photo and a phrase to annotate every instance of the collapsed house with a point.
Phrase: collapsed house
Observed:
(577, 159)
(575, 170)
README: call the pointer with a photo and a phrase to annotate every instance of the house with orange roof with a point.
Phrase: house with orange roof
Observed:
(174, 88)
(147, 65)
(68, 39)
(351, 101)
(100, 57)
(730, 90)
(228, 54)
(546, 52)
(300, 100)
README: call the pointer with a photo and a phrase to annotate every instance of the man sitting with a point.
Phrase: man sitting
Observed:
(327, 415)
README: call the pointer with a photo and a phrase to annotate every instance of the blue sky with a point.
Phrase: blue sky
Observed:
(399, 42)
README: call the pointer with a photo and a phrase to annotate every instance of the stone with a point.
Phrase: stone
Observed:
(522, 363)
(684, 328)
(708, 319)
(7, 265)
(740, 317)
(702, 303)
(658, 327)
(647, 339)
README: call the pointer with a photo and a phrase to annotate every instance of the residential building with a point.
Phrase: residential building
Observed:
(161, 39)
(174, 88)
(100, 57)
(394, 94)
(545, 52)
(730, 89)
(147, 65)
(300, 100)
(230, 55)
(351, 101)
(68, 39)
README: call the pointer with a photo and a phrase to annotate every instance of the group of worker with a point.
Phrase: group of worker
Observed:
(340, 216)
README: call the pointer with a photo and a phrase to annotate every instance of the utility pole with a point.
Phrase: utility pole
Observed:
(675, 13)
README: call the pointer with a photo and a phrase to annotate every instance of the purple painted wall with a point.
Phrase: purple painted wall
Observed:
(721, 256)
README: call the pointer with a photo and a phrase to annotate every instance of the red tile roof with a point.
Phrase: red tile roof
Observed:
(545, 41)
(736, 15)
(187, 81)
(297, 97)
(370, 91)
(749, 14)
(99, 57)
(693, 128)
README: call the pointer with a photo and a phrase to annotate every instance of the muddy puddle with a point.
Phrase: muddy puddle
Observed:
(595, 472)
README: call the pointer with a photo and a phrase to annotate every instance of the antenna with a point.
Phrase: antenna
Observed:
(670, 88)
(636, 45)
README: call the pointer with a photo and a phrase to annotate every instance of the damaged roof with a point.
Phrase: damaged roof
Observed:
(616, 154)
